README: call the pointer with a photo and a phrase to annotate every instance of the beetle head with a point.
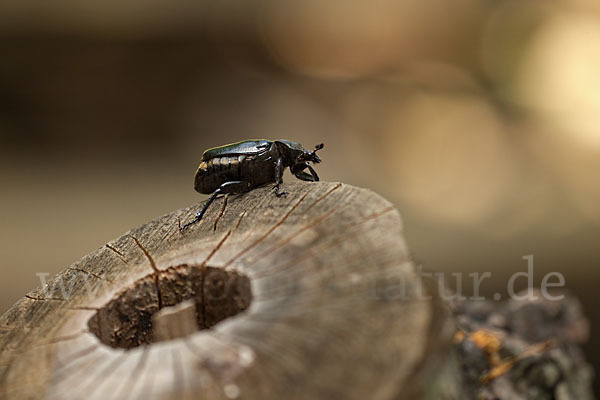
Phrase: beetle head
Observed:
(294, 153)
(301, 161)
(311, 155)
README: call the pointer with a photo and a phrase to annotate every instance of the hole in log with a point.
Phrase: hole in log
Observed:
(210, 295)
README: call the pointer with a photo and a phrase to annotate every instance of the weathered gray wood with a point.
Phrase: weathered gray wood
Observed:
(334, 312)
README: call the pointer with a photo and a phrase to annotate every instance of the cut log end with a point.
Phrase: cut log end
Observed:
(309, 296)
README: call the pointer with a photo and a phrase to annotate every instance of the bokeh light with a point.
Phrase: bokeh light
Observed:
(447, 155)
(559, 80)
(351, 39)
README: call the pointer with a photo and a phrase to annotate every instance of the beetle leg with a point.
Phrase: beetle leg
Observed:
(298, 171)
(313, 173)
(304, 176)
(226, 188)
(278, 177)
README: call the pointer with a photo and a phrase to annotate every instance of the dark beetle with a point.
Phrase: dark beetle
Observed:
(240, 167)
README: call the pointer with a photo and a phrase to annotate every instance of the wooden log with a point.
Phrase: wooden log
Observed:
(309, 296)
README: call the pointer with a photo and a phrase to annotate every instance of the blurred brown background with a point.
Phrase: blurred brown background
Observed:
(478, 119)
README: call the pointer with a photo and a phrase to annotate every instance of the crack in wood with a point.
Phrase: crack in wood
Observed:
(221, 212)
(282, 242)
(374, 215)
(146, 253)
(154, 267)
(242, 215)
(347, 233)
(269, 231)
(10, 328)
(44, 298)
(166, 236)
(216, 248)
(171, 232)
(90, 274)
(330, 191)
(120, 255)
(115, 250)
(287, 239)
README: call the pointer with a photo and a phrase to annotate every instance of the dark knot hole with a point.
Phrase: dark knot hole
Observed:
(126, 321)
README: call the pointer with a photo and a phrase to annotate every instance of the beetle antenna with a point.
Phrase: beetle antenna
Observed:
(317, 148)
(312, 156)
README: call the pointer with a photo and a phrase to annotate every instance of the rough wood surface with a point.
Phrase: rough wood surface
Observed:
(332, 313)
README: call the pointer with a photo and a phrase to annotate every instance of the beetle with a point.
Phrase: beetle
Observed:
(240, 167)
